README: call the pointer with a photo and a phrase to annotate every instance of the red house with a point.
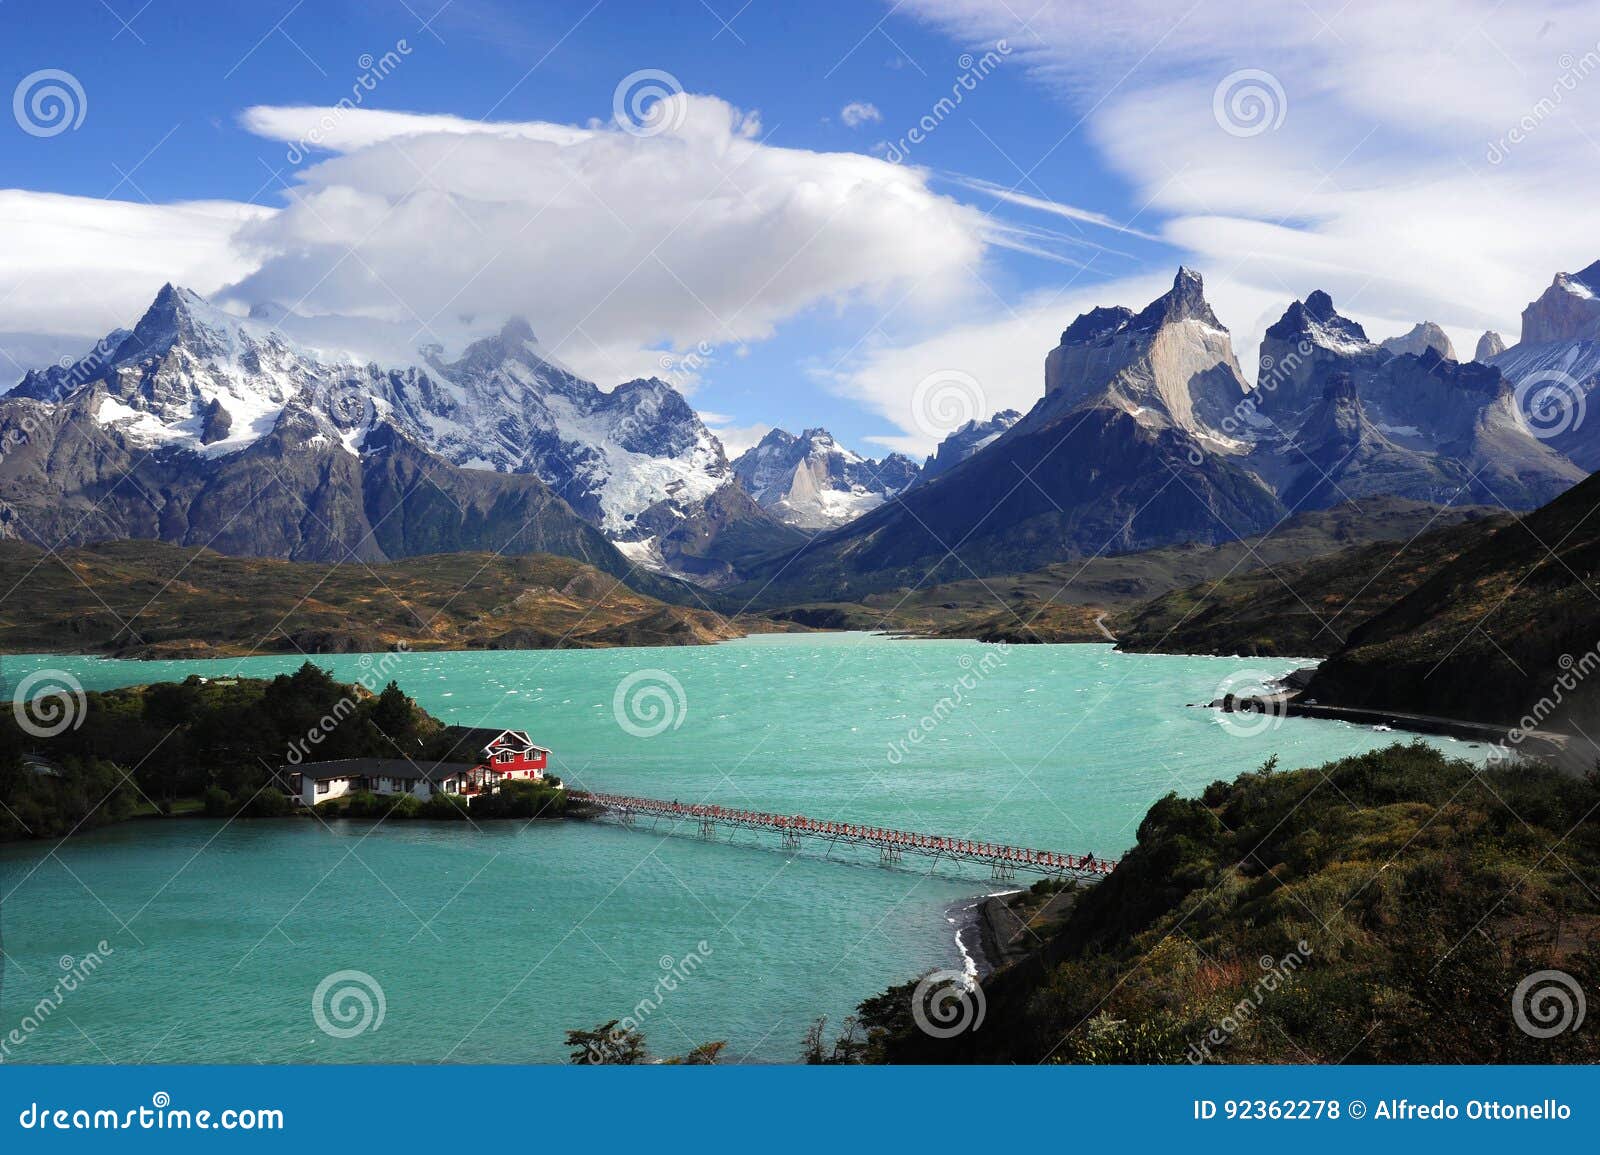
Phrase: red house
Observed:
(497, 755)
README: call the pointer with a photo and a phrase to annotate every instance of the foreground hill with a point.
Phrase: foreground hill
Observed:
(1509, 628)
(148, 599)
(1378, 909)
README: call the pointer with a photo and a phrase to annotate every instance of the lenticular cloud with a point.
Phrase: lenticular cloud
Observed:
(612, 240)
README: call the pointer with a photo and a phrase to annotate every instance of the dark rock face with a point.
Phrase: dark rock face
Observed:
(190, 378)
(1100, 482)
(295, 493)
(971, 438)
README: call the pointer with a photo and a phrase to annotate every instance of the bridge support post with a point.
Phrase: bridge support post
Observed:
(1002, 872)
(888, 856)
(791, 840)
(708, 828)
(626, 818)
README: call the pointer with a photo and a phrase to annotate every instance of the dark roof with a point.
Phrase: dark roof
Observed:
(472, 739)
(379, 768)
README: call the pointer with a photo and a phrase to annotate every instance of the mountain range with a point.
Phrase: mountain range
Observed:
(201, 427)
(1148, 434)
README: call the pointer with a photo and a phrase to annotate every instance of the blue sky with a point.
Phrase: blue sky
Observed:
(1371, 178)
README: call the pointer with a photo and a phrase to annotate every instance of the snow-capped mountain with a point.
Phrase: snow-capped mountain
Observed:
(964, 442)
(636, 462)
(1556, 365)
(1335, 417)
(812, 482)
(1148, 435)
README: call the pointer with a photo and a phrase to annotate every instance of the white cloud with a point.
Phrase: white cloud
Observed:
(1378, 185)
(611, 243)
(735, 438)
(77, 267)
(859, 112)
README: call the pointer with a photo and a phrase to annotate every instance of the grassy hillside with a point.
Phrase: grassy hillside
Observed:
(1378, 909)
(150, 599)
(1508, 629)
(1303, 609)
(1071, 601)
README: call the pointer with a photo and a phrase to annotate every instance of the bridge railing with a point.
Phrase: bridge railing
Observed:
(886, 838)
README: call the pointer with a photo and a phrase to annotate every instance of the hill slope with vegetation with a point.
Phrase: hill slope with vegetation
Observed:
(149, 599)
(1303, 609)
(1509, 629)
(1079, 601)
(1382, 908)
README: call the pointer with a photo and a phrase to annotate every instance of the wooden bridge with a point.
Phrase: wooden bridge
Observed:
(1003, 861)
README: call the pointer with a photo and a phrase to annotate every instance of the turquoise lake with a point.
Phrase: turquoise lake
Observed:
(488, 944)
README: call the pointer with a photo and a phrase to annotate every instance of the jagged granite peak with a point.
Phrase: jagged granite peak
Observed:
(1491, 344)
(1569, 310)
(1316, 318)
(963, 443)
(1422, 336)
(1169, 366)
(1185, 301)
(812, 482)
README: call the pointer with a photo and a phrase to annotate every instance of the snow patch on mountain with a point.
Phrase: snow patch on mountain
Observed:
(813, 482)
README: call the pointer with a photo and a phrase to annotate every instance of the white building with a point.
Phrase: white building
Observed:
(317, 782)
